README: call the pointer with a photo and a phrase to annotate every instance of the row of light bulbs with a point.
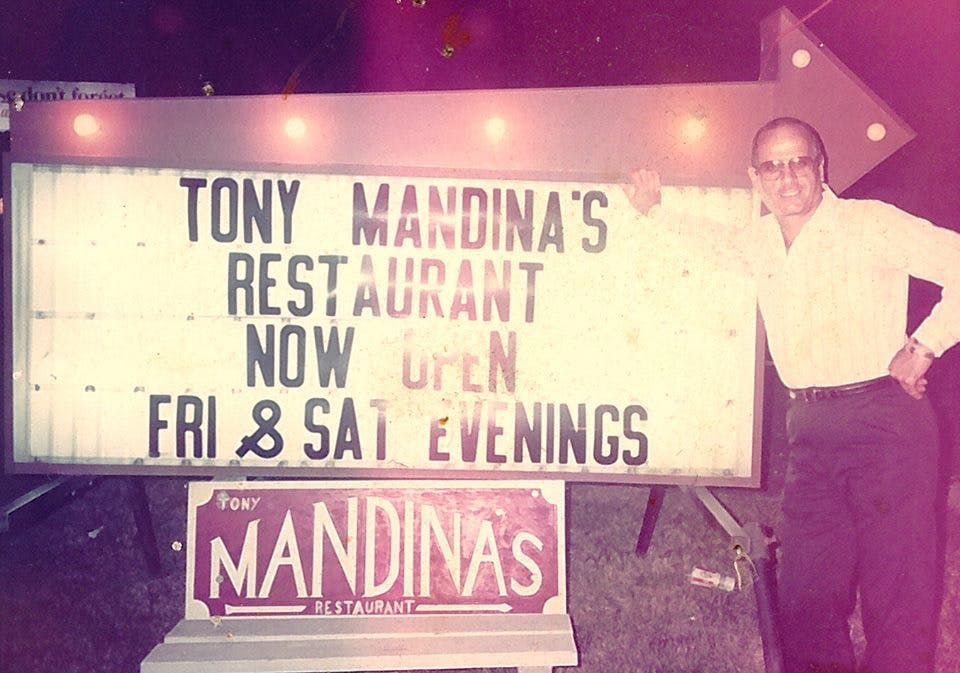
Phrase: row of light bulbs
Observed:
(693, 130)
(86, 125)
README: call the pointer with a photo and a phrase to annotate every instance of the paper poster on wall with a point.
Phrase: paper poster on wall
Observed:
(25, 92)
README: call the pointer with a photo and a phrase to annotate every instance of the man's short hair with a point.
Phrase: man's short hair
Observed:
(813, 136)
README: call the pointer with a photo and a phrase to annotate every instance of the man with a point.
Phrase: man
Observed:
(859, 494)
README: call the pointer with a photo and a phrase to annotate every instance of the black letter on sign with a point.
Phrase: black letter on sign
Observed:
(233, 204)
(156, 425)
(321, 452)
(332, 261)
(193, 185)
(631, 412)
(260, 356)
(266, 282)
(297, 284)
(591, 221)
(193, 425)
(373, 226)
(255, 211)
(237, 281)
(331, 356)
(266, 425)
(288, 197)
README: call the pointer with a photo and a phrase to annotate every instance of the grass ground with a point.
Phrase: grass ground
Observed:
(77, 596)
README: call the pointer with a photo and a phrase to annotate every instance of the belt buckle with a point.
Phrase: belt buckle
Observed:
(815, 394)
(810, 395)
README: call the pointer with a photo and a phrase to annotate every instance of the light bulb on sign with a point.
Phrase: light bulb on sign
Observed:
(694, 129)
(85, 125)
(496, 129)
(295, 128)
(876, 132)
(800, 58)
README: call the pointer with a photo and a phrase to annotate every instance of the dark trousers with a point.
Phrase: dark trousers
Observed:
(859, 512)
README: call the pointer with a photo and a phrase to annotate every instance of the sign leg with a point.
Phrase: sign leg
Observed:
(750, 540)
(650, 516)
(146, 535)
(764, 583)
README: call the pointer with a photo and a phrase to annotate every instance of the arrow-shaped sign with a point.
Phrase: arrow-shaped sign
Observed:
(692, 133)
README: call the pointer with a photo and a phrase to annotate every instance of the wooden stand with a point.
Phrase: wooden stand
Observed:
(531, 643)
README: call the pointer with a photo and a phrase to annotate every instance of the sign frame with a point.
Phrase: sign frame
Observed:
(189, 467)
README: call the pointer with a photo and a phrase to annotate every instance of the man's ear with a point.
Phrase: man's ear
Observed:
(755, 178)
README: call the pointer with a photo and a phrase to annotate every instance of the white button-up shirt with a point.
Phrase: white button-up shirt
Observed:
(835, 305)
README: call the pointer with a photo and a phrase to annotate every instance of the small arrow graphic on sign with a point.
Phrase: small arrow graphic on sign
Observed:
(263, 609)
(465, 607)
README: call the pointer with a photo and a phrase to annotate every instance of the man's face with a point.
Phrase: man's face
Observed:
(791, 186)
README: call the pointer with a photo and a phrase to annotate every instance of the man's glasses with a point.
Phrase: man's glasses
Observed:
(776, 169)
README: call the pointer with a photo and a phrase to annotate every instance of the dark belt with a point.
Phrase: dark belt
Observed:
(836, 392)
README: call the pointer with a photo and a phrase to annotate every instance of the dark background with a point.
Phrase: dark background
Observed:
(907, 52)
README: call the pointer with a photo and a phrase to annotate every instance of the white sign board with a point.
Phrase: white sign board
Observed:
(33, 92)
(349, 324)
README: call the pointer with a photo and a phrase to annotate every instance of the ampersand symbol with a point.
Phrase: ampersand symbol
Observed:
(267, 426)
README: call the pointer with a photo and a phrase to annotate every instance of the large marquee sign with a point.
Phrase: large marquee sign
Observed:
(389, 324)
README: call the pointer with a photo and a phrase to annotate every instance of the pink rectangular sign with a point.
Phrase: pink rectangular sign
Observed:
(374, 548)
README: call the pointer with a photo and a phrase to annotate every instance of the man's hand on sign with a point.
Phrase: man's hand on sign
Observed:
(909, 367)
(644, 190)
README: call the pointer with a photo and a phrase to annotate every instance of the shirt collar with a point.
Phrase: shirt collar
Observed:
(825, 209)
(829, 199)
(822, 215)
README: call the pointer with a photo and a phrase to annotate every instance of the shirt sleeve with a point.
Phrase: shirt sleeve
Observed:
(712, 225)
(924, 250)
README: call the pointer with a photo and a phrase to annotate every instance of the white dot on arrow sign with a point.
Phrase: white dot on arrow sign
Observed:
(801, 58)
(496, 128)
(876, 132)
(694, 129)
